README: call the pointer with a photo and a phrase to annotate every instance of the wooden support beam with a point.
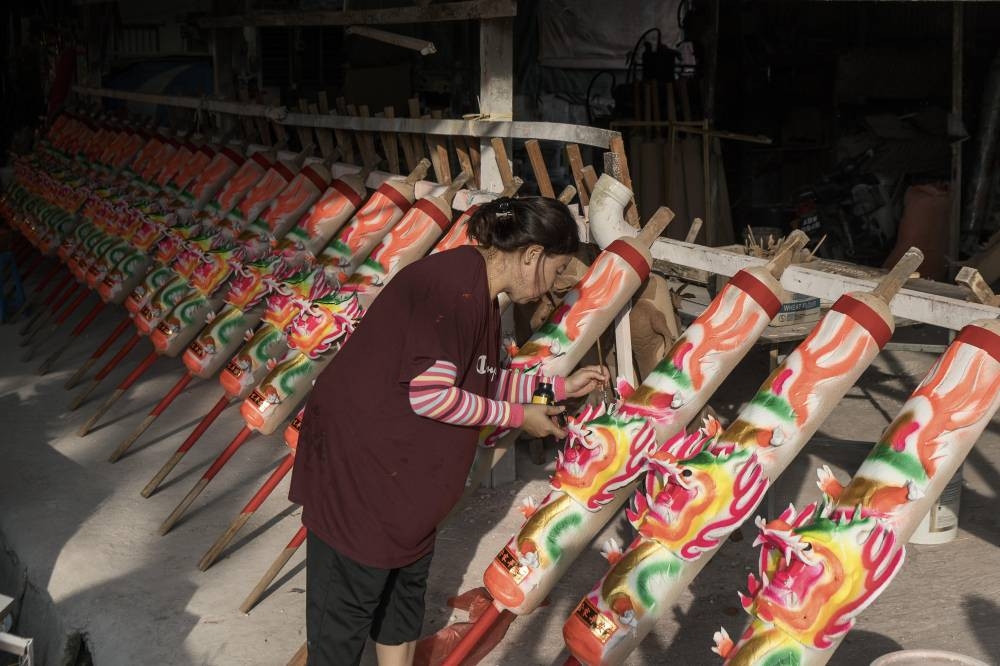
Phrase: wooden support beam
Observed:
(469, 10)
(575, 160)
(475, 157)
(304, 133)
(390, 144)
(589, 178)
(800, 278)
(365, 139)
(439, 155)
(539, 169)
(324, 136)
(496, 90)
(342, 138)
(502, 162)
(462, 153)
(484, 127)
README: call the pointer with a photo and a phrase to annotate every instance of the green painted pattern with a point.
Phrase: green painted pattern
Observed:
(788, 656)
(173, 293)
(673, 373)
(906, 463)
(299, 366)
(187, 310)
(552, 547)
(234, 319)
(670, 568)
(261, 343)
(774, 404)
(552, 331)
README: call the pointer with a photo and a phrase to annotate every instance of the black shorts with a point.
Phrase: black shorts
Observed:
(346, 602)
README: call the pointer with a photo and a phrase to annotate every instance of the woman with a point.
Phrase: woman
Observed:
(390, 431)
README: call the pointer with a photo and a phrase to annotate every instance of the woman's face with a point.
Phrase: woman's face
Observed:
(536, 273)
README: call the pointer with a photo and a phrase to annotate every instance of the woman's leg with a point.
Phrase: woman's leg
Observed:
(399, 618)
(341, 599)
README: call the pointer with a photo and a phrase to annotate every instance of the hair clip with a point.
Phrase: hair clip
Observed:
(504, 209)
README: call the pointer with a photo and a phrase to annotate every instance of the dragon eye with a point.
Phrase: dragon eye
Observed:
(808, 546)
(687, 472)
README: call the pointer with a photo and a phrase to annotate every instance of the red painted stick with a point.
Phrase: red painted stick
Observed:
(65, 314)
(77, 330)
(30, 267)
(223, 458)
(125, 385)
(273, 571)
(106, 370)
(265, 490)
(48, 278)
(468, 643)
(153, 415)
(195, 435)
(99, 352)
(88, 319)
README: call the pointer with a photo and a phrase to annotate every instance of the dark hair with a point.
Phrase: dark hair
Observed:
(511, 224)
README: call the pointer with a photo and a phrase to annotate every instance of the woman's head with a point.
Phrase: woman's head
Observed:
(532, 240)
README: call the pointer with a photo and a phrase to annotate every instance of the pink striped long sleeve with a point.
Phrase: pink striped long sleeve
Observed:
(433, 394)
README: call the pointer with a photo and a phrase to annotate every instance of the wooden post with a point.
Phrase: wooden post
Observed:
(323, 136)
(365, 139)
(957, 30)
(473, 147)
(496, 89)
(304, 133)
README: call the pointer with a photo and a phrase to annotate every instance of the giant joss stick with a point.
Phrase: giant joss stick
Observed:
(703, 487)
(186, 292)
(821, 567)
(606, 453)
(242, 371)
(288, 382)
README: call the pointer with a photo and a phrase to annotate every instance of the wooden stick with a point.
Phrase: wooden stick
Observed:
(589, 178)
(416, 142)
(462, 152)
(692, 234)
(273, 571)
(391, 144)
(323, 136)
(538, 167)
(706, 165)
(439, 155)
(621, 164)
(567, 194)
(343, 139)
(503, 163)
(301, 657)
(476, 158)
(575, 160)
(304, 133)
(366, 140)
(979, 291)
(890, 285)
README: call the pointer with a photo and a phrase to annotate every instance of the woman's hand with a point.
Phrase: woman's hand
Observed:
(585, 380)
(539, 421)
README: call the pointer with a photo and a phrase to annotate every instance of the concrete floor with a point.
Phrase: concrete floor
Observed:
(82, 553)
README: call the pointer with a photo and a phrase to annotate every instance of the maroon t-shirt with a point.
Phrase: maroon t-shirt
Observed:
(373, 477)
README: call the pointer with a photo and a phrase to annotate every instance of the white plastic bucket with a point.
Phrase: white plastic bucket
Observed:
(940, 525)
(926, 658)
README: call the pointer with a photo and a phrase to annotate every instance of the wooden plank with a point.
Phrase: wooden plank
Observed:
(589, 178)
(539, 169)
(325, 138)
(342, 138)
(980, 292)
(304, 133)
(502, 162)
(439, 155)
(365, 139)
(475, 157)
(468, 10)
(390, 143)
(909, 303)
(575, 160)
(474, 127)
(462, 152)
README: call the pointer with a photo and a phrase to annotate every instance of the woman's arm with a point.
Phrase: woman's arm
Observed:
(516, 386)
(433, 394)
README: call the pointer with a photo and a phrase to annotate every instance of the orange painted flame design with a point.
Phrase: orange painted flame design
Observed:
(371, 220)
(594, 291)
(238, 184)
(327, 208)
(726, 324)
(958, 408)
(813, 370)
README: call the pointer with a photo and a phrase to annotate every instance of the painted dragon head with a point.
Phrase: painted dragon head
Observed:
(603, 452)
(689, 507)
(327, 321)
(817, 573)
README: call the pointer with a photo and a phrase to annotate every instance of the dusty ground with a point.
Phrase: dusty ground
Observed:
(83, 555)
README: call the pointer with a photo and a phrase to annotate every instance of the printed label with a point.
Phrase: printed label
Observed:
(602, 628)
